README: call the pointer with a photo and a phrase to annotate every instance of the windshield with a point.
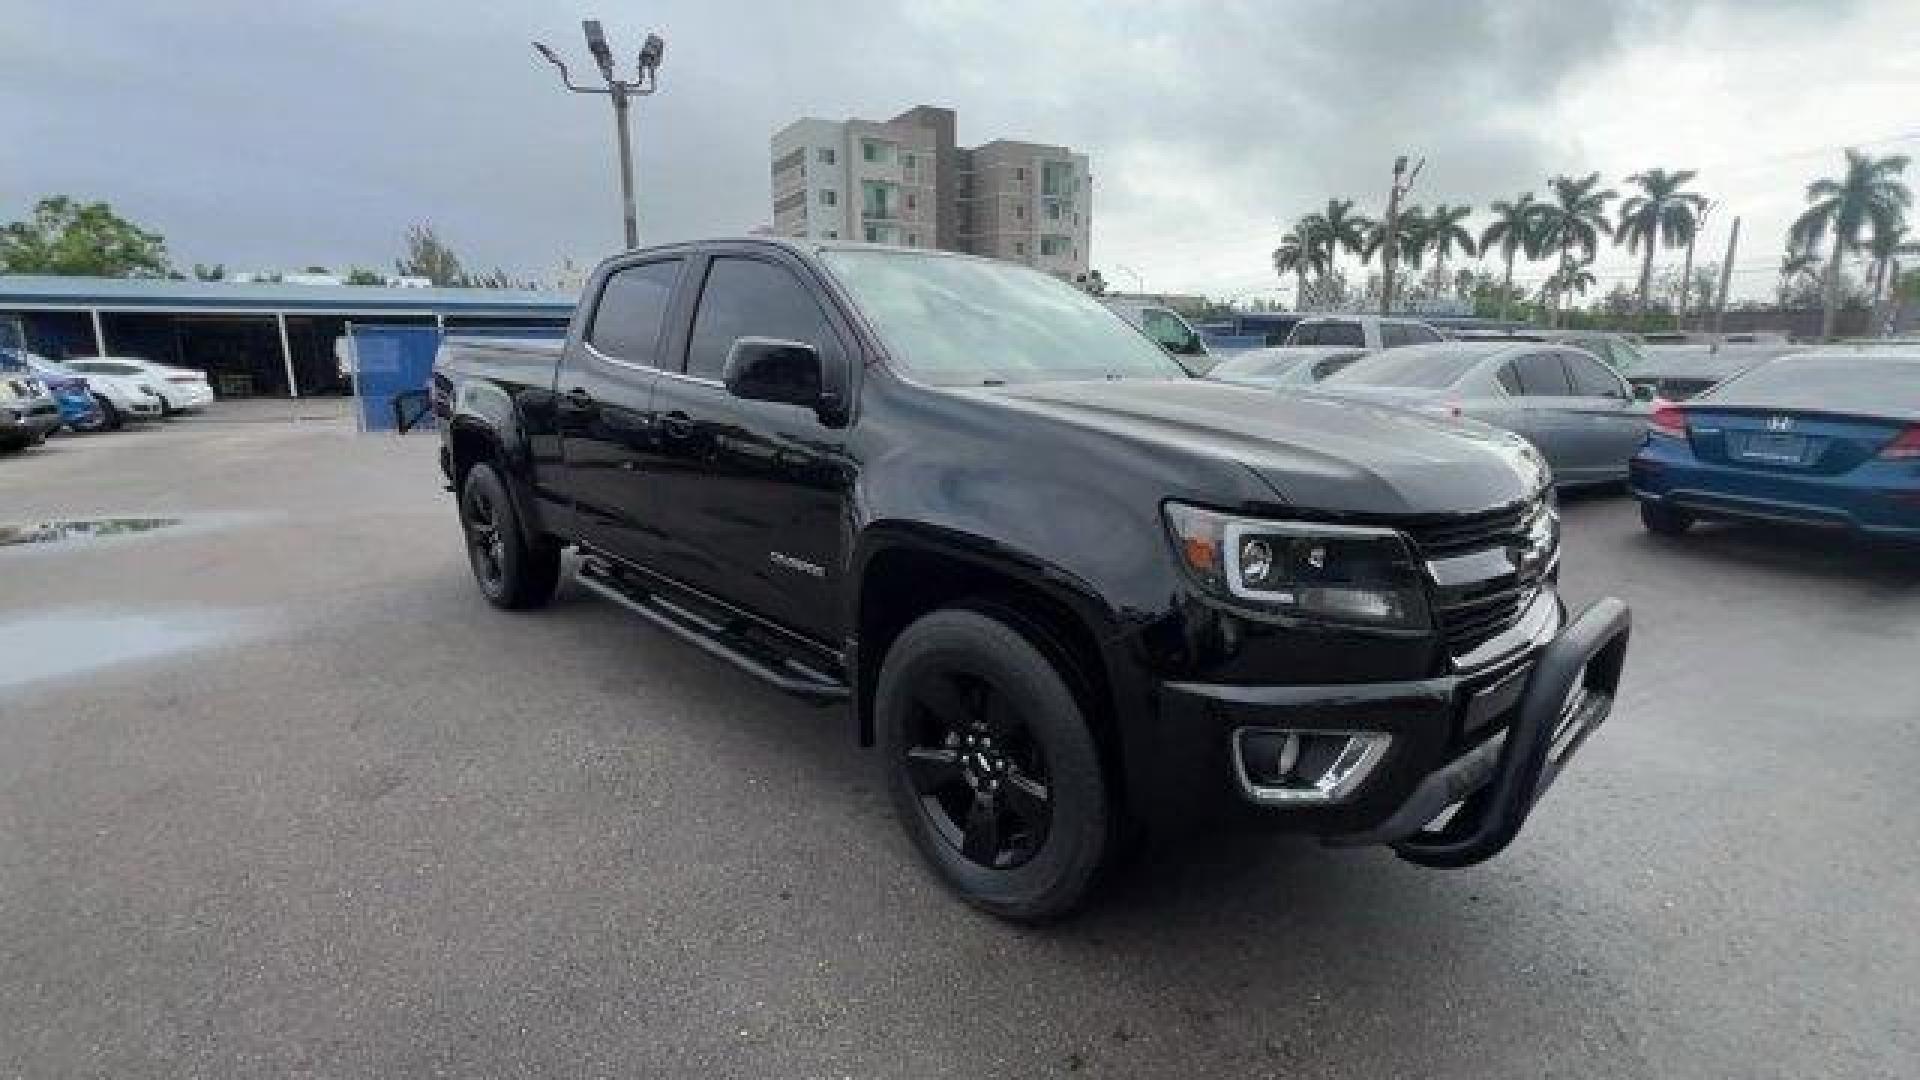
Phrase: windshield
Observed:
(1865, 384)
(1258, 365)
(1414, 365)
(99, 368)
(959, 321)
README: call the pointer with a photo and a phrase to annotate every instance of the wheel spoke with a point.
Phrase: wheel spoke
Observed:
(941, 697)
(981, 840)
(932, 768)
(1027, 798)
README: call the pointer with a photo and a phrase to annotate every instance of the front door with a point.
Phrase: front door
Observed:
(752, 494)
(1611, 424)
(603, 397)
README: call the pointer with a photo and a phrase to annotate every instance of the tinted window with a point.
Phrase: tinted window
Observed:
(1429, 366)
(1344, 334)
(1171, 331)
(1541, 375)
(1591, 378)
(1395, 335)
(1305, 334)
(626, 324)
(99, 368)
(750, 298)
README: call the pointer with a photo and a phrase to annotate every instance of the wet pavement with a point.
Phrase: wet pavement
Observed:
(279, 795)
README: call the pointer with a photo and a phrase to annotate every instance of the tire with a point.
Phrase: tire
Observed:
(1662, 520)
(112, 420)
(992, 766)
(511, 572)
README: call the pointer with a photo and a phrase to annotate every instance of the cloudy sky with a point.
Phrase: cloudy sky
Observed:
(276, 136)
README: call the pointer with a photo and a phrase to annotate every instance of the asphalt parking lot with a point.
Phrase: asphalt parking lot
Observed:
(280, 795)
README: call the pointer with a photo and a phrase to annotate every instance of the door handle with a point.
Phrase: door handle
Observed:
(676, 424)
(579, 398)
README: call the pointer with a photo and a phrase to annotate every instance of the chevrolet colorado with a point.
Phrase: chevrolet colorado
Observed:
(1074, 595)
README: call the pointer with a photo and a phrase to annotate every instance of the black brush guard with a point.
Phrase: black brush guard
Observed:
(1569, 693)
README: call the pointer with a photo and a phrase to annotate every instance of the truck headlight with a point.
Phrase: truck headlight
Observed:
(1338, 573)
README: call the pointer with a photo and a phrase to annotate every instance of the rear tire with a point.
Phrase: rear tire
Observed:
(992, 766)
(512, 573)
(1663, 520)
(111, 419)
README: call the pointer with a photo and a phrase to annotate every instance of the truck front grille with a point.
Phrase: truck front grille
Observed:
(1487, 570)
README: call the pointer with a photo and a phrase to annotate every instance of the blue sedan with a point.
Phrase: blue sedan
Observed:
(1824, 438)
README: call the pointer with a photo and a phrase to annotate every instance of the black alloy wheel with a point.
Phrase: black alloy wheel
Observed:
(486, 546)
(991, 762)
(980, 776)
(513, 571)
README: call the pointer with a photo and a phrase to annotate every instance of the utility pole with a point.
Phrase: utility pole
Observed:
(1686, 272)
(1389, 240)
(646, 80)
(1726, 276)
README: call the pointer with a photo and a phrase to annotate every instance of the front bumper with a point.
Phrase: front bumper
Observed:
(30, 425)
(1490, 742)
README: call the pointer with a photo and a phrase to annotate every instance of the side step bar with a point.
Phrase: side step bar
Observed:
(714, 638)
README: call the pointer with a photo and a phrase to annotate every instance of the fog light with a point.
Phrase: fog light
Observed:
(1283, 765)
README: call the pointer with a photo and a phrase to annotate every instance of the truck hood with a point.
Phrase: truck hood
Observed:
(1328, 453)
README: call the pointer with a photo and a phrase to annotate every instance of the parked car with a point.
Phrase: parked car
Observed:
(1620, 351)
(120, 397)
(78, 410)
(1580, 413)
(1070, 591)
(1825, 438)
(179, 389)
(1275, 368)
(28, 413)
(1369, 332)
(1167, 329)
(1257, 328)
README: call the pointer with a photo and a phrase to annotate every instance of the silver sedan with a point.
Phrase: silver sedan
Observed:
(1579, 412)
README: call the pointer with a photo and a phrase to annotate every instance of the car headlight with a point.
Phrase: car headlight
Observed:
(1337, 573)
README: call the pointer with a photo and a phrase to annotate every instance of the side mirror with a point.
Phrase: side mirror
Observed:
(768, 369)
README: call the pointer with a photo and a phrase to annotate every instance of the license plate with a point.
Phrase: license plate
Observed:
(1768, 446)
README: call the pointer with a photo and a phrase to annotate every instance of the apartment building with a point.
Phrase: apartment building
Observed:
(907, 181)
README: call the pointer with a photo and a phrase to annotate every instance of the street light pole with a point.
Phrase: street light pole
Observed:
(1389, 242)
(646, 80)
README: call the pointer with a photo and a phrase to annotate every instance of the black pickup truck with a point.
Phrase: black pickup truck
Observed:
(1073, 594)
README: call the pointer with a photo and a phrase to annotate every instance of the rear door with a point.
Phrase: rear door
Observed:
(1609, 426)
(1538, 384)
(752, 494)
(603, 391)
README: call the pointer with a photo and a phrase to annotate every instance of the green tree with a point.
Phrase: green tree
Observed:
(1882, 248)
(1574, 220)
(1515, 229)
(359, 276)
(1869, 193)
(1572, 279)
(1662, 212)
(76, 238)
(1444, 233)
(1296, 255)
(204, 272)
(429, 257)
(1408, 243)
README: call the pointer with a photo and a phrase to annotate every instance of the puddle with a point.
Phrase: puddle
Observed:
(67, 643)
(61, 532)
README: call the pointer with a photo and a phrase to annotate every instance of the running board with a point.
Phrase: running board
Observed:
(714, 638)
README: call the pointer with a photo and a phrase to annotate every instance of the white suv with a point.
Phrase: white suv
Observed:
(178, 388)
(1370, 332)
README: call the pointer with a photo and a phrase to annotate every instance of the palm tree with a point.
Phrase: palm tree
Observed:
(1660, 212)
(1409, 241)
(1882, 248)
(1444, 234)
(1516, 230)
(1297, 254)
(1870, 193)
(1333, 230)
(1572, 277)
(1576, 218)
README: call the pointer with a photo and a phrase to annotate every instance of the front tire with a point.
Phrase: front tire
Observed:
(992, 766)
(512, 573)
(111, 419)
(1662, 520)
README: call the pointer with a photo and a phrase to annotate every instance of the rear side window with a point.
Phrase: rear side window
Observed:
(1305, 334)
(1394, 335)
(1343, 334)
(1541, 375)
(626, 324)
(1591, 378)
(750, 298)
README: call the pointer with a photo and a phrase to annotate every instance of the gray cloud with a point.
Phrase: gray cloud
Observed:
(278, 135)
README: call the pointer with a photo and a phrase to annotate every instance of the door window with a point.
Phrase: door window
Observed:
(1172, 333)
(1344, 334)
(1591, 378)
(1541, 375)
(626, 324)
(750, 298)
